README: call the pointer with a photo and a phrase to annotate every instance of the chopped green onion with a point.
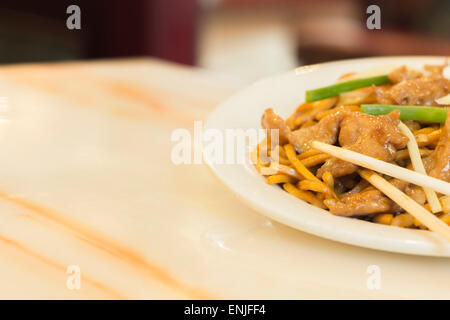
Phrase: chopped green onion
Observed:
(335, 89)
(417, 113)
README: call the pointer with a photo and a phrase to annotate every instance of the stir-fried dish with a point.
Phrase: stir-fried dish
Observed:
(378, 117)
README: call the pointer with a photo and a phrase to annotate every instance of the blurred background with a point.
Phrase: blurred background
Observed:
(243, 38)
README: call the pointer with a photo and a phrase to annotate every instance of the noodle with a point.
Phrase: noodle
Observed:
(313, 186)
(309, 153)
(384, 218)
(315, 160)
(303, 195)
(427, 139)
(290, 152)
(308, 124)
(296, 172)
(280, 178)
(404, 154)
(300, 110)
(327, 177)
(278, 155)
(316, 108)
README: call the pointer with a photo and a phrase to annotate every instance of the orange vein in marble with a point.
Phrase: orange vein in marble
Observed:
(53, 264)
(139, 95)
(94, 238)
(58, 81)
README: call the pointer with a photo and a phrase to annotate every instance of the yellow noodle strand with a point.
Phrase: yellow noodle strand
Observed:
(303, 195)
(298, 165)
(315, 160)
(280, 178)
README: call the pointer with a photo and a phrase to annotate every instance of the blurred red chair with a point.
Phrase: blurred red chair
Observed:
(113, 28)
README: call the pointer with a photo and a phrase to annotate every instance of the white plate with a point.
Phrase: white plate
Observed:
(284, 93)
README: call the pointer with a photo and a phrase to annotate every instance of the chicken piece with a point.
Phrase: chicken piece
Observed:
(403, 74)
(363, 203)
(435, 71)
(421, 91)
(384, 95)
(324, 131)
(358, 128)
(412, 88)
(440, 159)
(270, 121)
(416, 193)
(361, 185)
(374, 136)
(337, 167)
(368, 201)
